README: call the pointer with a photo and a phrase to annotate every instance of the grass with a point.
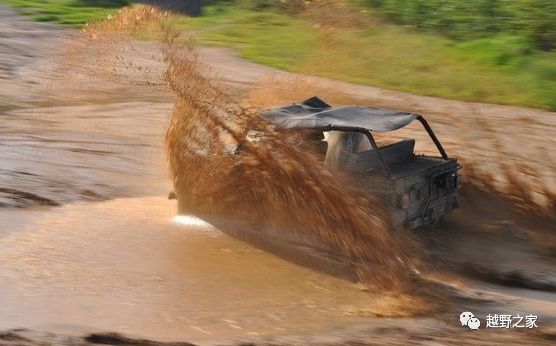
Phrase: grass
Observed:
(500, 69)
(265, 37)
(73, 13)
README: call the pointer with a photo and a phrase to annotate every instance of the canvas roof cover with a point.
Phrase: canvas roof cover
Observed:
(317, 114)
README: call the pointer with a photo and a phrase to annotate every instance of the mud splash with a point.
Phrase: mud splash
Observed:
(272, 183)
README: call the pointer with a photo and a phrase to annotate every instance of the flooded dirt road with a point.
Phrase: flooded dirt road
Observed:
(69, 135)
(95, 263)
(75, 120)
(129, 266)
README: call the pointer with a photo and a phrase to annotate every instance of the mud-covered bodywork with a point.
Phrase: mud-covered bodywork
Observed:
(419, 189)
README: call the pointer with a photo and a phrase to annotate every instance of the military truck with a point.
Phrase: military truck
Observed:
(418, 189)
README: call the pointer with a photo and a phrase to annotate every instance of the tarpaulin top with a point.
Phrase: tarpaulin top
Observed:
(317, 114)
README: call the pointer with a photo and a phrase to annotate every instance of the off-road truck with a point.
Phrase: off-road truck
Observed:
(418, 189)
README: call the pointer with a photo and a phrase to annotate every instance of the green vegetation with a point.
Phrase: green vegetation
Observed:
(533, 19)
(465, 51)
(500, 68)
(269, 38)
(66, 12)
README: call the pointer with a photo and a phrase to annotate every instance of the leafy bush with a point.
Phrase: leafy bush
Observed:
(535, 19)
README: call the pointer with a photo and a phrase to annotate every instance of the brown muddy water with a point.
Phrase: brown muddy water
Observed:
(131, 266)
